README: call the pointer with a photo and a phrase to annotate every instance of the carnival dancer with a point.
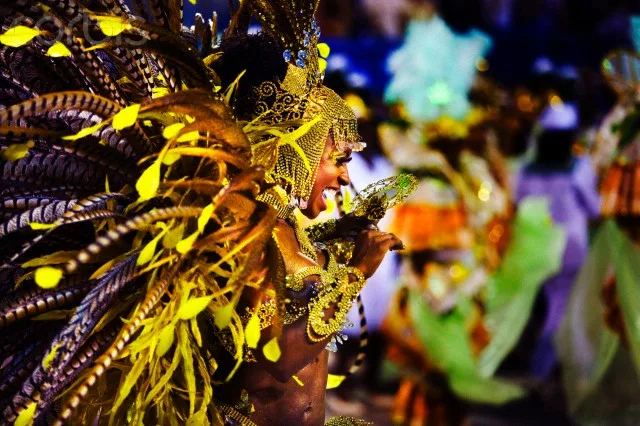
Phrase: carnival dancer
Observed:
(153, 270)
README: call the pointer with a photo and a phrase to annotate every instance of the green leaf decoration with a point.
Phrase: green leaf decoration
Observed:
(513, 287)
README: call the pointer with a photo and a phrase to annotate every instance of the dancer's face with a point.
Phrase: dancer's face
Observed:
(332, 174)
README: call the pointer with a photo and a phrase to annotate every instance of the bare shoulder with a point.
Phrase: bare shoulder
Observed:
(290, 247)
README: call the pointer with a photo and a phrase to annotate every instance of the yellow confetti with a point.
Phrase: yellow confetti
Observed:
(193, 307)
(25, 418)
(112, 26)
(333, 381)
(18, 36)
(58, 50)
(17, 151)
(204, 218)
(165, 341)
(223, 316)
(149, 181)
(297, 380)
(126, 117)
(48, 277)
(172, 130)
(47, 360)
(252, 332)
(324, 50)
(185, 245)
(271, 350)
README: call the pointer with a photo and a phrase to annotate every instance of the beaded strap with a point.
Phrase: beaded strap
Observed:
(295, 282)
(342, 293)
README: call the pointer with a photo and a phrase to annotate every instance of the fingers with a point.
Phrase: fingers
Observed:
(352, 225)
(386, 239)
(393, 242)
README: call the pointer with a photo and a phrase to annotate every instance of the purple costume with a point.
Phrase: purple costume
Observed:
(573, 200)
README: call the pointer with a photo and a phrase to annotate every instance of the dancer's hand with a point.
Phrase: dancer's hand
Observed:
(371, 247)
(349, 226)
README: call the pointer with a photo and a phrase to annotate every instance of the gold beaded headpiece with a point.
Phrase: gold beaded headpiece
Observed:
(301, 97)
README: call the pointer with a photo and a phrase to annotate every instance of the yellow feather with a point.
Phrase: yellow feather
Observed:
(322, 64)
(148, 183)
(17, 151)
(271, 350)
(193, 307)
(18, 36)
(324, 50)
(158, 92)
(112, 26)
(47, 360)
(204, 218)
(48, 277)
(85, 132)
(195, 331)
(173, 237)
(187, 363)
(252, 331)
(129, 382)
(333, 381)
(185, 245)
(99, 46)
(170, 158)
(58, 50)
(297, 380)
(51, 259)
(165, 341)
(41, 226)
(126, 117)
(25, 418)
(148, 251)
(223, 316)
(172, 130)
(189, 137)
